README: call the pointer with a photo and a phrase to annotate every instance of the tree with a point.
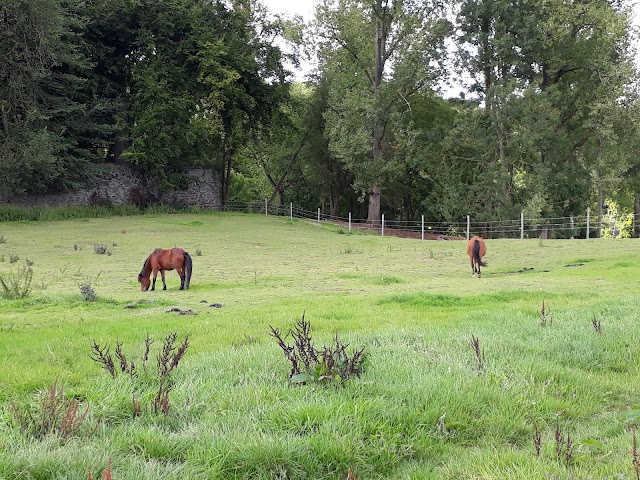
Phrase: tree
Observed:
(544, 72)
(377, 54)
(51, 125)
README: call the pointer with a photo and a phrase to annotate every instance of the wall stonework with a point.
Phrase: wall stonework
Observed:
(121, 185)
(204, 190)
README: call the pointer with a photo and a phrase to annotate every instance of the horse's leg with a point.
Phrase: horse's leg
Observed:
(155, 275)
(181, 273)
(164, 284)
(473, 268)
(479, 264)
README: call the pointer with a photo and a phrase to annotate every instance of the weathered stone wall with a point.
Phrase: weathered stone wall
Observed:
(121, 185)
(204, 190)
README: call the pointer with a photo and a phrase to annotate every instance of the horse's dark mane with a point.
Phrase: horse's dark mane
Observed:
(146, 270)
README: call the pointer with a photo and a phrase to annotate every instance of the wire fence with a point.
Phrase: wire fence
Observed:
(580, 226)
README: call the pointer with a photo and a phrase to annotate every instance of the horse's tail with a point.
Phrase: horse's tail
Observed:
(188, 268)
(476, 254)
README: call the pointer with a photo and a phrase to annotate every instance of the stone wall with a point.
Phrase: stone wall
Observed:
(121, 185)
(204, 191)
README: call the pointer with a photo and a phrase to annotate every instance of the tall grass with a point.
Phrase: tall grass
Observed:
(432, 403)
(11, 213)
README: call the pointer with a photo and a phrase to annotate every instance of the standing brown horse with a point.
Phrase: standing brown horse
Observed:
(476, 249)
(161, 260)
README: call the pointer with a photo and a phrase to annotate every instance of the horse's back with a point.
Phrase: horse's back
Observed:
(472, 241)
(169, 259)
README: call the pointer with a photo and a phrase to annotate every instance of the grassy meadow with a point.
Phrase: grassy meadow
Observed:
(428, 406)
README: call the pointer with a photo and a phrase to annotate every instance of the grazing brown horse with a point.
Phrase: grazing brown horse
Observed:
(476, 249)
(161, 260)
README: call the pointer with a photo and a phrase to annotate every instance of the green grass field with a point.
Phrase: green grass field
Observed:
(424, 408)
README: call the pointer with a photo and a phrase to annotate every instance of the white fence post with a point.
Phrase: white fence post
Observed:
(318, 217)
(573, 226)
(521, 225)
(266, 207)
(422, 227)
(588, 221)
(291, 211)
(349, 222)
(468, 225)
(383, 224)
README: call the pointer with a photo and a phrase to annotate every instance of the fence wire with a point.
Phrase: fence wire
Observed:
(581, 226)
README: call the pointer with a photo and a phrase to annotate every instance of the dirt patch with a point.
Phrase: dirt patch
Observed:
(392, 232)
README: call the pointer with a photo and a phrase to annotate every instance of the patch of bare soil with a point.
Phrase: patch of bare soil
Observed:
(397, 233)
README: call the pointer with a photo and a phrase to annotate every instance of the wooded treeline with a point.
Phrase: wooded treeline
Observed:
(548, 122)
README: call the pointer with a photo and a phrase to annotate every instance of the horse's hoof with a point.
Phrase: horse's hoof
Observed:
(164, 288)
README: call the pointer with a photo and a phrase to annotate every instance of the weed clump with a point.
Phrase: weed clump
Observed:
(329, 364)
(168, 359)
(87, 292)
(479, 354)
(55, 414)
(545, 315)
(596, 323)
(16, 285)
(100, 249)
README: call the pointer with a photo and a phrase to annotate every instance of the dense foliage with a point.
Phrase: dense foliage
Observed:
(545, 120)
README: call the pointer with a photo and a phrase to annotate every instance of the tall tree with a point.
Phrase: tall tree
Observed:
(377, 53)
(544, 69)
(52, 126)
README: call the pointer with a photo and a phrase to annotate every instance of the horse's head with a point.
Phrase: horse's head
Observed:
(144, 282)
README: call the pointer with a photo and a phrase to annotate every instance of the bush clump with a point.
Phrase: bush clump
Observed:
(16, 285)
(87, 292)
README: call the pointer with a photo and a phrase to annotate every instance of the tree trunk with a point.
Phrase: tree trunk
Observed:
(334, 200)
(373, 216)
(119, 147)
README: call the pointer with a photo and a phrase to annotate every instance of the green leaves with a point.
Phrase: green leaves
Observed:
(633, 416)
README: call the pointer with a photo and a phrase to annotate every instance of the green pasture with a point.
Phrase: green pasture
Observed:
(425, 407)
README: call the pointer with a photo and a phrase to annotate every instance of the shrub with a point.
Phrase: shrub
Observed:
(100, 249)
(16, 285)
(87, 292)
(330, 363)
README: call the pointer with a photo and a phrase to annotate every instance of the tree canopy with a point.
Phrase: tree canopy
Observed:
(546, 123)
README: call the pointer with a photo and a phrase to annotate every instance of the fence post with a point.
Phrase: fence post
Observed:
(468, 225)
(266, 207)
(383, 224)
(349, 222)
(291, 211)
(522, 225)
(422, 227)
(573, 226)
(588, 221)
(318, 217)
